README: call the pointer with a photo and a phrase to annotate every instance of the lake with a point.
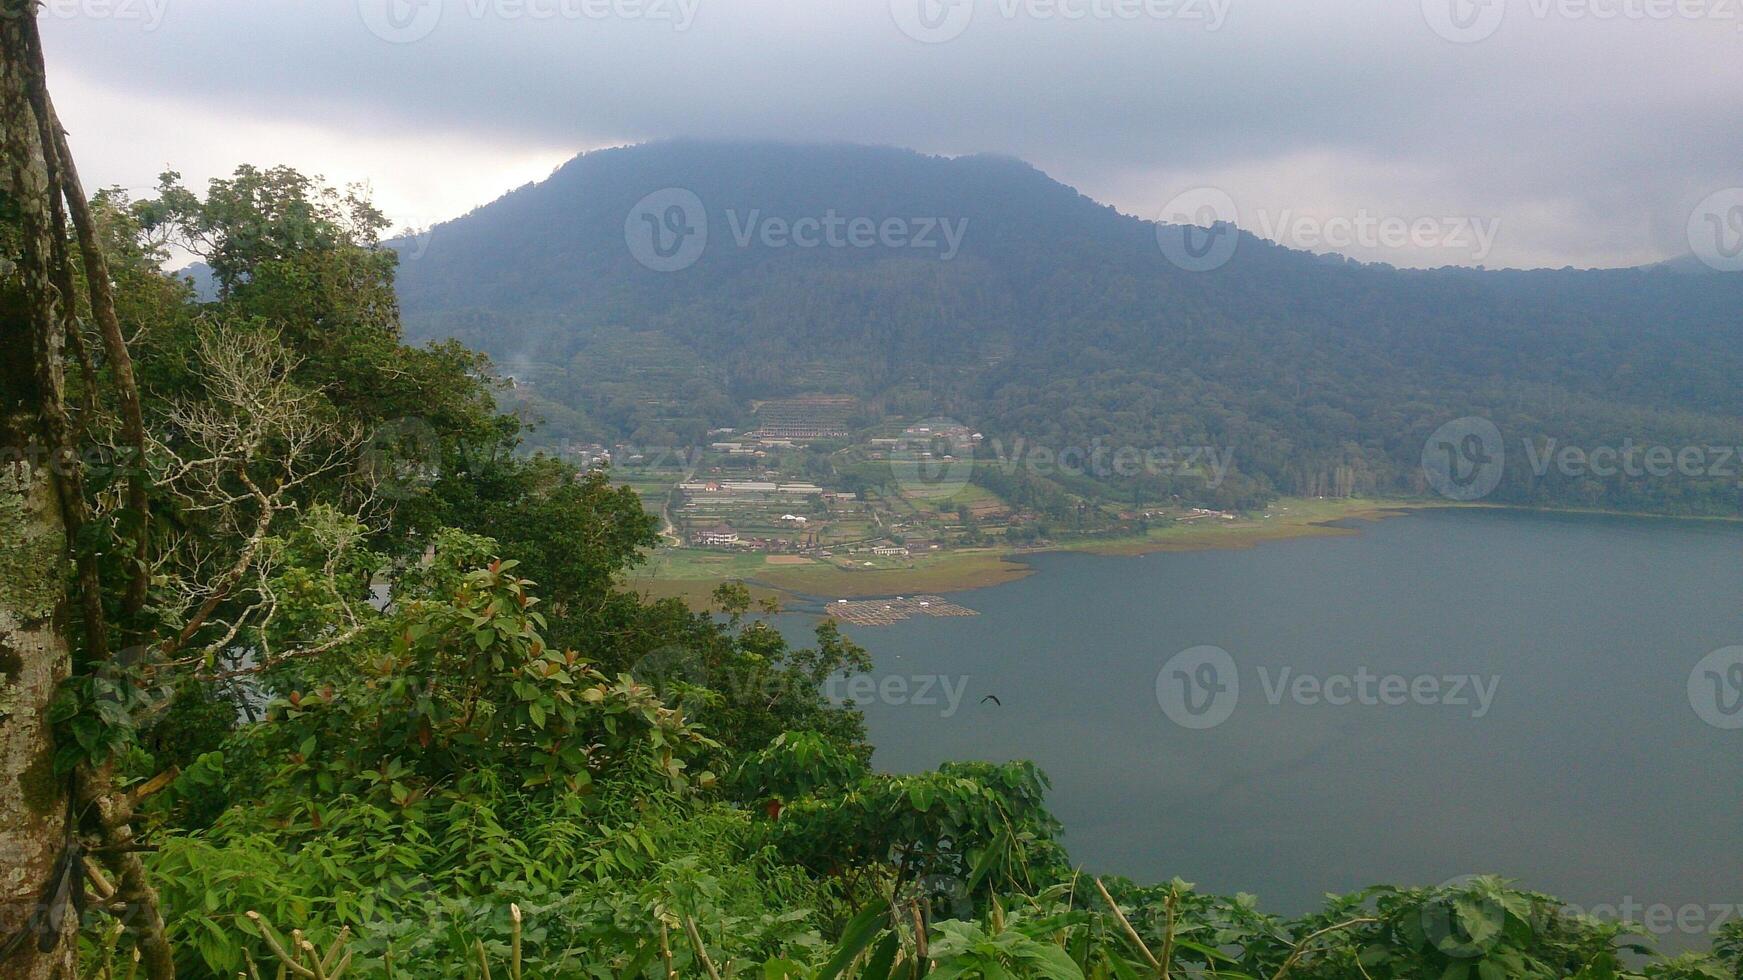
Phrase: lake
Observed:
(1447, 693)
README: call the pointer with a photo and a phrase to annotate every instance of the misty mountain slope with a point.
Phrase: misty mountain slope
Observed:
(1061, 320)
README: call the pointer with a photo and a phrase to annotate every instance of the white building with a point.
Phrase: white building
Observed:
(719, 536)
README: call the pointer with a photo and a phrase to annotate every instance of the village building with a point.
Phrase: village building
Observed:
(717, 536)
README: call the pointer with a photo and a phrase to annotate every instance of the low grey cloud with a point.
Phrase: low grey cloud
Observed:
(1585, 130)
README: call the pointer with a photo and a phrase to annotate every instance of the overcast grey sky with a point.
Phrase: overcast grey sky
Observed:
(1569, 132)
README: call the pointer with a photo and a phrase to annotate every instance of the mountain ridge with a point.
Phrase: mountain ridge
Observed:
(1060, 320)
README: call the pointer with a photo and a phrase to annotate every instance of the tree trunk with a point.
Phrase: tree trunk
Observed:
(34, 656)
(109, 327)
(43, 509)
(33, 659)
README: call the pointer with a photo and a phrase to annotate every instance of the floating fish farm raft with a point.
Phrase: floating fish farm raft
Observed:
(883, 612)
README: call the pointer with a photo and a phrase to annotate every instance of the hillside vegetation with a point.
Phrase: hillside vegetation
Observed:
(1060, 322)
(398, 721)
(309, 668)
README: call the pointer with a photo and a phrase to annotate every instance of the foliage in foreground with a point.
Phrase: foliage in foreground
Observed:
(409, 727)
(467, 798)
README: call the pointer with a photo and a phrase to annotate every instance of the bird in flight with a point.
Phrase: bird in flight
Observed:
(994, 699)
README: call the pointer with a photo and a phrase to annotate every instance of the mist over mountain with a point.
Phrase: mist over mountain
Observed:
(980, 289)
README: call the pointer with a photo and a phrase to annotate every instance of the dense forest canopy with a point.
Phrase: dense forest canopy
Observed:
(1060, 322)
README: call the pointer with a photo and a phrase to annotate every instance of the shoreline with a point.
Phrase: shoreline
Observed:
(968, 569)
(691, 575)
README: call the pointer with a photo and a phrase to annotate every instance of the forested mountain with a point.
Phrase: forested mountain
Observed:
(1060, 321)
(306, 670)
(512, 767)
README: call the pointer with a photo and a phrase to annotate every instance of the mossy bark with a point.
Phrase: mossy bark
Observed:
(33, 660)
(34, 657)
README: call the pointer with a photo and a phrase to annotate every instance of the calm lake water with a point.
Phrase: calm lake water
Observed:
(1589, 775)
